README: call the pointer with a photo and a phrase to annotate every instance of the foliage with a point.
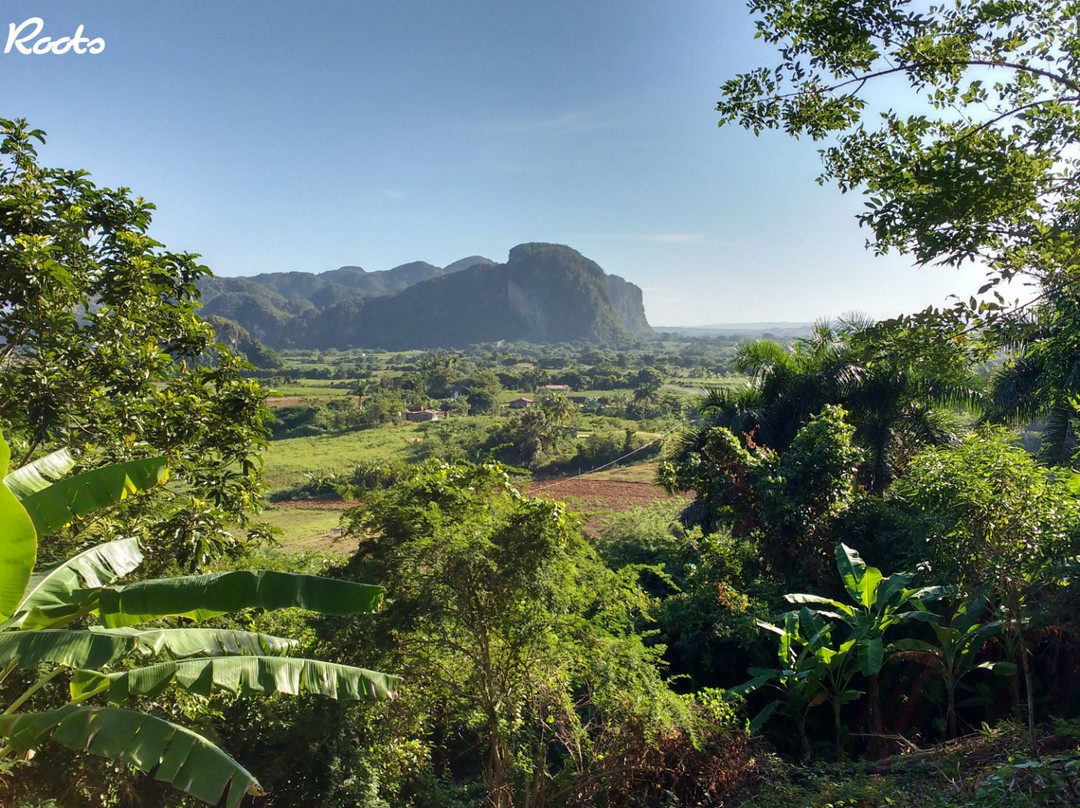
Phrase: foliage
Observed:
(42, 636)
(984, 169)
(101, 350)
(1040, 379)
(710, 590)
(1050, 781)
(482, 390)
(517, 638)
(786, 502)
(980, 174)
(990, 514)
(818, 665)
(955, 654)
(995, 519)
(896, 397)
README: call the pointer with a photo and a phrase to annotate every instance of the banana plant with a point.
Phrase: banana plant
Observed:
(805, 639)
(833, 654)
(878, 604)
(956, 653)
(75, 620)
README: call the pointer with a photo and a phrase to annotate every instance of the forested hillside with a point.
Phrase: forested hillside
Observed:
(544, 293)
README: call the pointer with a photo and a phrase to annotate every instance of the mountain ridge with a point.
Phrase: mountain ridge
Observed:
(543, 293)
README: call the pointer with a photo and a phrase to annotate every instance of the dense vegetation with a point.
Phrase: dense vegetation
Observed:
(863, 594)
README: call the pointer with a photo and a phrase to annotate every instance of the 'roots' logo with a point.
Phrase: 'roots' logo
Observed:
(24, 38)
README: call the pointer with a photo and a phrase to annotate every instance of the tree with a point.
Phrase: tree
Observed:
(559, 408)
(986, 171)
(101, 349)
(521, 641)
(43, 632)
(994, 520)
(1040, 380)
(787, 502)
(646, 385)
(982, 173)
(895, 383)
(482, 389)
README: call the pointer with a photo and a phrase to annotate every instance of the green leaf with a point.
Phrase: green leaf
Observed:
(40, 474)
(18, 544)
(186, 642)
(871, 655)
(173, 754)
(53, 507)
(932, 593)
(920, 646)
(75, 649)
(243, 675)
(762, 676)
(50, 594)
(999, 668)
(891, 587)
(804, 599)
(759, 720)
(199, 597)
(860, 580)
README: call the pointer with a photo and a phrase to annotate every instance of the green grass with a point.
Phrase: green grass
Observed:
(309, 389)
(698, 383)
(285, 461)
(641, 473)
(308, 529)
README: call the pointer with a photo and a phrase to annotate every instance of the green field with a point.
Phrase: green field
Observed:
(285, 461)
(308, 388)
(308, 528)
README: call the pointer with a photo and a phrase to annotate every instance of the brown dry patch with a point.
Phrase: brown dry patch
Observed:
(596, 498)
(284, 401)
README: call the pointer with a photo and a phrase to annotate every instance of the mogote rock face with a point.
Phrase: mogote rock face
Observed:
(543, 293)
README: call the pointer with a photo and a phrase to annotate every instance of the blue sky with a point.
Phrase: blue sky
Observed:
(278, 136)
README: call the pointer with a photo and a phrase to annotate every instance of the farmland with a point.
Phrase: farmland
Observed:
(335, 412)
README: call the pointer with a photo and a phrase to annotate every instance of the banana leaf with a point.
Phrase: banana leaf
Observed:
(53, 507)
(199, 597)
(186, 642)
(39, 474)
(243, 675)
(18, 544)
(169, 752)
(75, 649)
(50, 594)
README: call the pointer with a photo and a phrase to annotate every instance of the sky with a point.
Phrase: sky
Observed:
(280, 136)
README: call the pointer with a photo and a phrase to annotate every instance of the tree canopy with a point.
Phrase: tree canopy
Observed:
(984, 167)
(102, 349)
(984, 170)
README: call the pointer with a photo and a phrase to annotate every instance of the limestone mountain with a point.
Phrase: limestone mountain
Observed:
(543, 293)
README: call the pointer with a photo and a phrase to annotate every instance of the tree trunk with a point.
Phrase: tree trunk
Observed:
(497, 768)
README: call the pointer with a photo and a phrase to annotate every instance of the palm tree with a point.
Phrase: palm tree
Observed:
(895, 405)
(559, 408)
(1040, 382)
